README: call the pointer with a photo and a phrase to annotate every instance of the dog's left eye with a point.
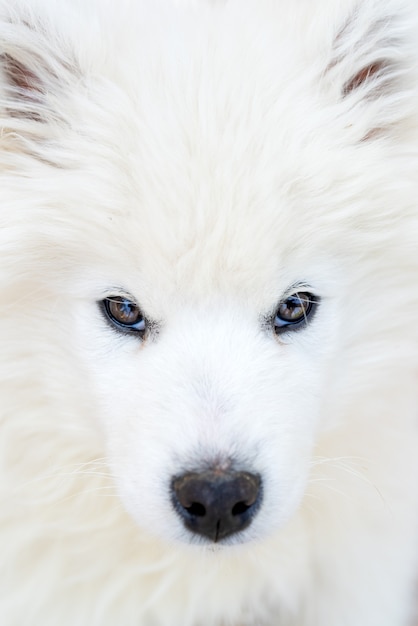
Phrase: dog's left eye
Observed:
(124, 314)
(294, 311)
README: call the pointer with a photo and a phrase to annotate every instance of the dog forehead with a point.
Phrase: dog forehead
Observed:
(212, 181)
(223, 209)
(220, 210)
(220, 248)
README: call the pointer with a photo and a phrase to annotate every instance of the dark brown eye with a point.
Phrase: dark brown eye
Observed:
(294, 311)
(124, 314)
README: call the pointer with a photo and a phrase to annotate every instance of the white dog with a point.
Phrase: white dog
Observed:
(209, 288)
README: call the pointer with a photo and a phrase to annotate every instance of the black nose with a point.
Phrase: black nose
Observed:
(217, 504)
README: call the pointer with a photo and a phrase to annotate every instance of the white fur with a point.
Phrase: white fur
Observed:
(204, 157)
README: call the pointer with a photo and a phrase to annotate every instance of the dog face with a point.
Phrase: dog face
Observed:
(208, 325)
(207, 340)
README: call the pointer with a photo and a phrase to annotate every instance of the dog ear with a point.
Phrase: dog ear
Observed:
(374, 66)
(35, 77)
(24, 89)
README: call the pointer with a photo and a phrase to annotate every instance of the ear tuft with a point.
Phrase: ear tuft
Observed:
(369, 53)
(373, 67)
(20, 76)
(25, 88)
(367, 75)
(37, 75)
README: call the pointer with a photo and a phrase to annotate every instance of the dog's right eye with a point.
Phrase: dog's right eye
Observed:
(124, 314)
(294, 311)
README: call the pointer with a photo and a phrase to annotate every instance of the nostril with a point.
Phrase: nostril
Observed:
(196, 509)
(239, 508)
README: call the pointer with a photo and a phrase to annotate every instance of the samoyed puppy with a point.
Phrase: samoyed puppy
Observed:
(209, 267)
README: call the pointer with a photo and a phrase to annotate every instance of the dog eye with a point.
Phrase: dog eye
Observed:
(124, 314)
(294, 311)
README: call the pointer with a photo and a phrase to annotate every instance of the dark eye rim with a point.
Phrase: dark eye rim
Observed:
(115, 324)
(285, 326)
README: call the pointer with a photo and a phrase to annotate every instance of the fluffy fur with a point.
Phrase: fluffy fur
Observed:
(204, 157)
